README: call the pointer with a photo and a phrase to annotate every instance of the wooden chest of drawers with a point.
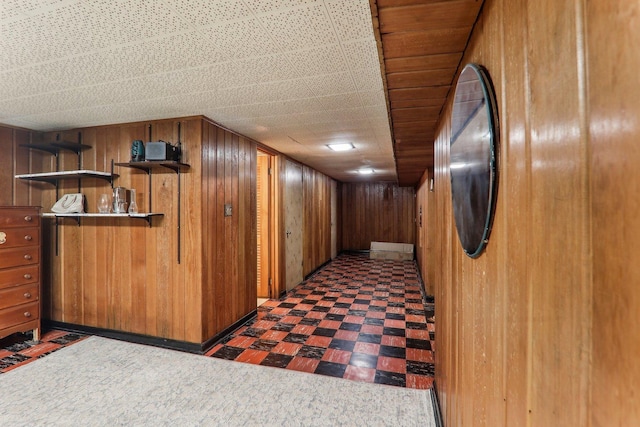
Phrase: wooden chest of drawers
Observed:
(20, 270)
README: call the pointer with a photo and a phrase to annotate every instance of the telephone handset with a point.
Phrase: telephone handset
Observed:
(69, 203)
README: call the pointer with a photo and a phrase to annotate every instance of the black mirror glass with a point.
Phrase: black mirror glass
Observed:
(473, 163)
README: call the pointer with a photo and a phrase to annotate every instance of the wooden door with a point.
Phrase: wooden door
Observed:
(293, 224)
(263, 224)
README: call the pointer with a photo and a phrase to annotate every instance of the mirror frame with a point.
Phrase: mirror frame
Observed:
(464, 210)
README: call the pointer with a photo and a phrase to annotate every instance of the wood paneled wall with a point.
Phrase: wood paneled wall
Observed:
(316, 226)
(539, 330)
(17, 160)
(230, 258)
(380, 212)
(425, 212)
(121, 274)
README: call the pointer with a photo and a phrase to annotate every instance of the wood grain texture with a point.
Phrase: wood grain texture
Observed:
(381, 212)
(614, 125)
(316, 198)
(515, 325)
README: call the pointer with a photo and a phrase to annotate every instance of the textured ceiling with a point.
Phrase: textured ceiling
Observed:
(292, 74)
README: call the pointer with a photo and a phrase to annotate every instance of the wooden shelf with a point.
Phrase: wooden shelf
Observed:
(100, 215)
(54, 177)
(155, 164)
(77, 216)
(55, 147)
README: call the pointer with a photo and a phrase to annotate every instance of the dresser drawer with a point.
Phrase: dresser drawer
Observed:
(19, 217)
(19, 295)
(19, 314)
(12, 237)
(19, 276)
(16, 257)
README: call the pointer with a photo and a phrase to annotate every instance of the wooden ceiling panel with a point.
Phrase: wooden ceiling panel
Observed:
(432, 92)
(427, 114)
(420, 78)
(428, 42)
(422, 45)
(397, 3)
(414, 103)
(419, 63)
(430, 16)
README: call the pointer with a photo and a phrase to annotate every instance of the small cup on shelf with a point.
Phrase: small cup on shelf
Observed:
(104, 204)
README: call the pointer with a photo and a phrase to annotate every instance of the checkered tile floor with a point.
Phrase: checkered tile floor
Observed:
(356, 318)
(19, 349)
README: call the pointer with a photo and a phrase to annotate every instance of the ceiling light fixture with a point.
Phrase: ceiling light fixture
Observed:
(341, 147)
(365, 171)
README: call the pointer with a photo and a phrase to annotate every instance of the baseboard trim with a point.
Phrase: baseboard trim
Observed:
(436, 406)
(185, 346)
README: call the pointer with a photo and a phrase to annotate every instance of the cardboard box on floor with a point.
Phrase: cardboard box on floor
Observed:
(392, 251)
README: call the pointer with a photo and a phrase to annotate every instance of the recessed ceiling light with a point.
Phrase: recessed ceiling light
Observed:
(341, 147)
(365, 171)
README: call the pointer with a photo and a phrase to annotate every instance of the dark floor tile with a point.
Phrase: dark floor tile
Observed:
(416, 343)
(390, 351)
(296, 338)
(297, 313)
(420, 368)
(390, 378)
(310, 321)
(331, 369)
(395, 316)
(342, 305)
(361, 313)
(253, 332)
(371, 338)
(373, 321)
(363, 360)
(276, 360)
(311, 352)
(416, 325)
(336, 317)
(324, 332)
(287, 305)
(321, 309)
(228, 353)
(14, 359)
(264, 345)
(339, 344)
(355, 327)
(396, 332)
(283, 327)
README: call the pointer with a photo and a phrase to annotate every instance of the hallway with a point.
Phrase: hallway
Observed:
(355, 318)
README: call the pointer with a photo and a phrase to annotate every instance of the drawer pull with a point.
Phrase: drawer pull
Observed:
(3, 237)
(28, 218)
(27, 314)
(27, 257)
(28, 237)
(27, 295)
(27, 276)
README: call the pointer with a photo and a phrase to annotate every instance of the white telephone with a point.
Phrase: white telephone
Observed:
(69, 203)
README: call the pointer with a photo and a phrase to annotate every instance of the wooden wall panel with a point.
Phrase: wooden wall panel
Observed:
(614, 125)
(119, 273)
(532, 332)
(380, 212)
(17, 160)
(229, 252)
(316, 196)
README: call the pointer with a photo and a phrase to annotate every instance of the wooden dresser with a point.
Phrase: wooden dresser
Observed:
(20, 268)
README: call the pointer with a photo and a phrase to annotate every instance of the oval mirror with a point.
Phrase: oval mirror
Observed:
(473, 162)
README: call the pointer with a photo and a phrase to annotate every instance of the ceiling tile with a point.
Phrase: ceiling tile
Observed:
(300, 28)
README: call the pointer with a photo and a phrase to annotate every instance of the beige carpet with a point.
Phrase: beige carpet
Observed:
(102, 382)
